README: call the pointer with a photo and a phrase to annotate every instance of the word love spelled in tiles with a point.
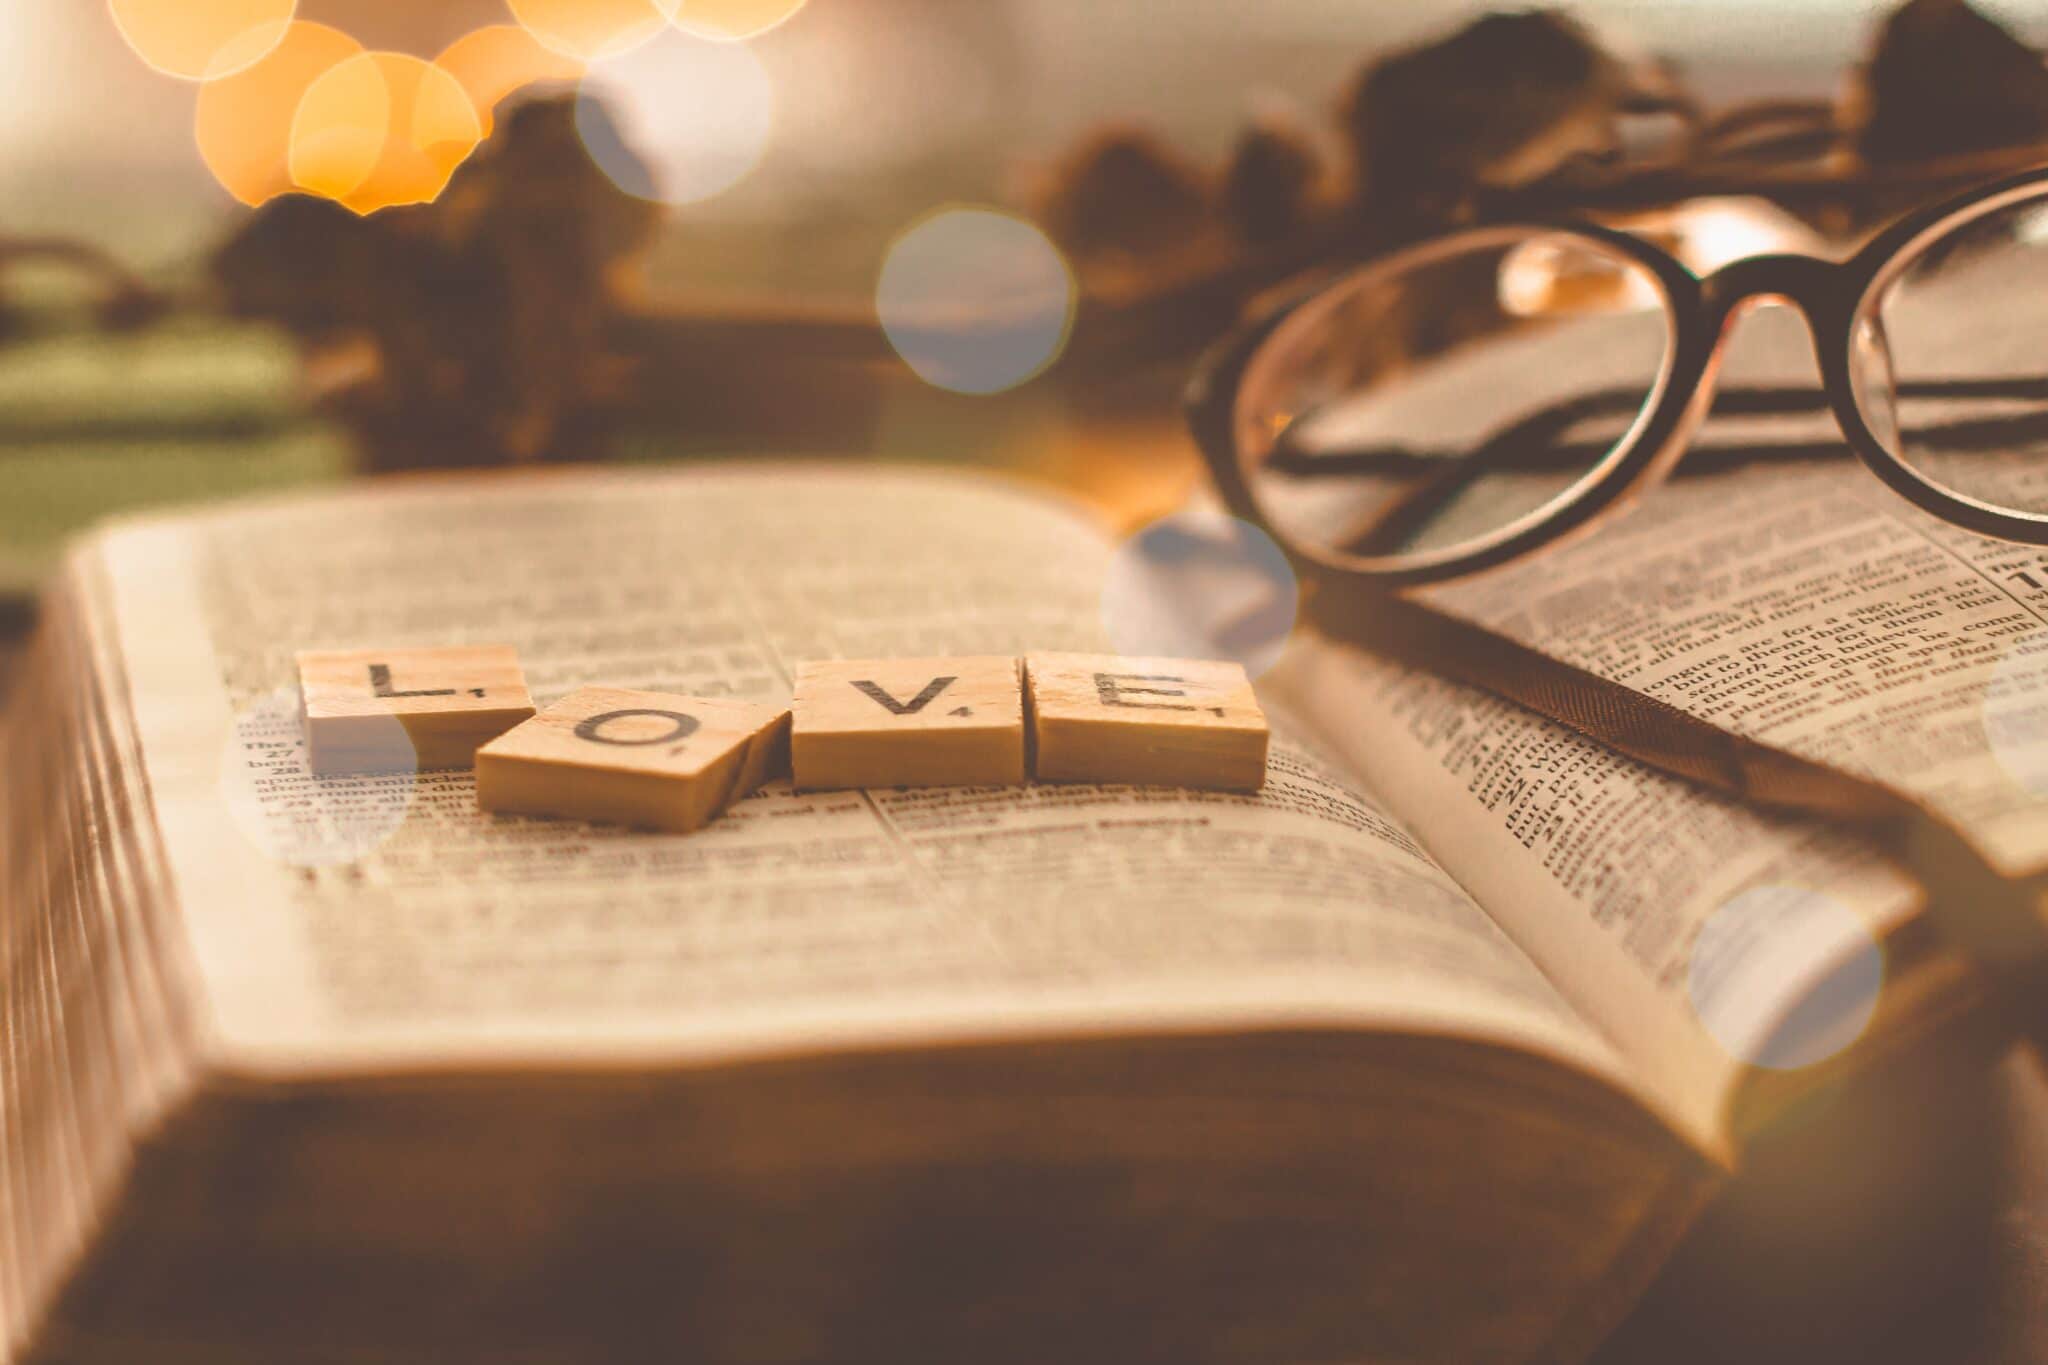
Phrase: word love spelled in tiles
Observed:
(664, 761)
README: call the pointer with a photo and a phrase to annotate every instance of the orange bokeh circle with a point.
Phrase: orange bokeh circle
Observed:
(288, 104)
(493, 62)
(243, 123)
(592, 30)
(382, 129)
(198, 40)
(733, 20)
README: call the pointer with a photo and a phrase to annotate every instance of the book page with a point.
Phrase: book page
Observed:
(1802, 603)
(378, 921)
(1688, 927)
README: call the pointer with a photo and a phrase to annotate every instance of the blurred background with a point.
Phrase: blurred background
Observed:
(883, 108)
(803, 156)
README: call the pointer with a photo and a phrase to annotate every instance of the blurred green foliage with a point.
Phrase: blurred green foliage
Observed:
(92, 424)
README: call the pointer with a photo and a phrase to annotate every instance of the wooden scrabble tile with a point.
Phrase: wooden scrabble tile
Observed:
(909, 723)
(1155, 722)
(376, 710)
(634, 758)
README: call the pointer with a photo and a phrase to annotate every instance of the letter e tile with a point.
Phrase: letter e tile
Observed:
(1152, 722)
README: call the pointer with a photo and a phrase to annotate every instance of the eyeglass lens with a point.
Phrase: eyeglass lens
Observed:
(1430, 404)
(1949, 358)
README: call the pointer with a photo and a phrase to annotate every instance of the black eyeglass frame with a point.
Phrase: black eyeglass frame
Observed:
(1832, 295)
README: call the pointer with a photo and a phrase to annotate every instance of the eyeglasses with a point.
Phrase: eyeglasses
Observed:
(1476, 398)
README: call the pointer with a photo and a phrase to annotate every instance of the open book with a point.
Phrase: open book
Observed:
(1426, 1052)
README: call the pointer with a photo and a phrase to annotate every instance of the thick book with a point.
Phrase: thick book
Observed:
(1427, 1051)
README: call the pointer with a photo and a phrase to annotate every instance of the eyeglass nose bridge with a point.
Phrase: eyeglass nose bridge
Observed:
(1823, 292)
(1818, 288)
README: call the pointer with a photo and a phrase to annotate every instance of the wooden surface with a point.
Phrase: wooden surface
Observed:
(634, 758)
(1903, 1224)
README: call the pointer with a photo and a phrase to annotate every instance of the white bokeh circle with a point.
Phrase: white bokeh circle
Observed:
(678, 120)
(2014, 712)
(1201, 584)
(975, 300)
(273, 798)
(1785, 976)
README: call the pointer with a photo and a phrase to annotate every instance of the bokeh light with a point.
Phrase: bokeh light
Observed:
(975, 300)
(1785, 976)
(732, 20)
(2015, 712)
(382, 129)
(341, 820)
(679, 120)
(493, 62)
(593, 30)
(243, 124)
(1201, 584)
(198, 40)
